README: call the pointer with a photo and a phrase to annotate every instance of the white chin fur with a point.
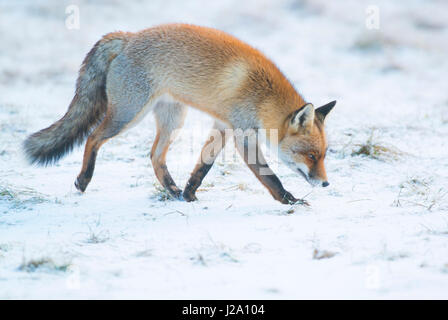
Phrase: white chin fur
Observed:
(304, 169)
(314, 182)
(300, 169)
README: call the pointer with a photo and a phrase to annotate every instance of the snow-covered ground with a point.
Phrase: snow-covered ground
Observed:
(379, 231)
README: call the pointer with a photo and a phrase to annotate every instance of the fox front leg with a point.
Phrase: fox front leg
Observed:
(249, 150)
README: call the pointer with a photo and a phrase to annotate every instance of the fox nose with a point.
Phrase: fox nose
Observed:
(325, 184)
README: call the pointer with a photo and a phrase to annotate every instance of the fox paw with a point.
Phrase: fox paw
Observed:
(81, 184)
(189, 196)
(176, 193)
(288, 198)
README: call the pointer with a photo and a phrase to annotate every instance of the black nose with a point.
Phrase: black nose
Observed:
(325, 184)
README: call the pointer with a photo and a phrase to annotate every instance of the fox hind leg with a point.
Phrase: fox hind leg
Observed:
(210, 151)
(128, 99)
(106, 130)
(169, 117)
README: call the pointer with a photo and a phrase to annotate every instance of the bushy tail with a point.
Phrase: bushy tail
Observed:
(86, 110)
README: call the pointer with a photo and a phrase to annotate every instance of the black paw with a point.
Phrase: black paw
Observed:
(175, 192)
(189, 196)
(81, 184)
(288, 198)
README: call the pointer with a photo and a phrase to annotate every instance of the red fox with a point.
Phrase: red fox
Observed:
(166, 68)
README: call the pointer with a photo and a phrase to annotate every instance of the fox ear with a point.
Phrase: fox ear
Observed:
(302, 118)
(322, 112)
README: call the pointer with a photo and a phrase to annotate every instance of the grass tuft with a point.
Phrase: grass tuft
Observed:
(99, 237)
(420, 192)
(372, 42)
(323, 254)
(21, 198)
(48, 264)
(161, 194)
(376, 150)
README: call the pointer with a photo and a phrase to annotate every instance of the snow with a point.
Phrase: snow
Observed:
(380, 228)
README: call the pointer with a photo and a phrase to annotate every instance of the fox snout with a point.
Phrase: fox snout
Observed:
(316, 182)
(318, 176)
(322, 183)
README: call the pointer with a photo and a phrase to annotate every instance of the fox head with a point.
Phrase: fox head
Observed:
(304, 145)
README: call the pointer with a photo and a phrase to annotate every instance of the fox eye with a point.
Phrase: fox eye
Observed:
(312, 157)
